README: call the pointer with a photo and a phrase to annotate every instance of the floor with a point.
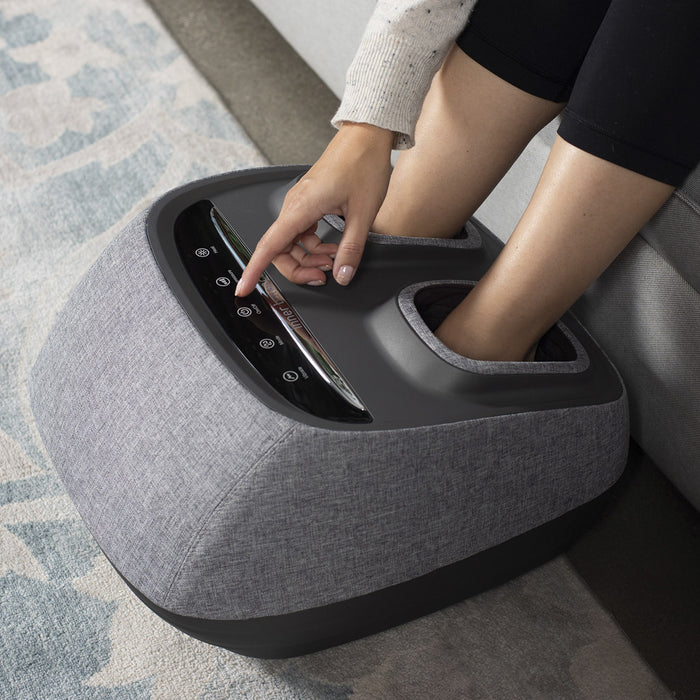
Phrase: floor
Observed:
(642, 559)
(277, 98)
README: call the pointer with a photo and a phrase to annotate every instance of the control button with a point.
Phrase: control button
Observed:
(290, 376)
(244, 311)
(267, 343)
(223, 281)
(202, 252)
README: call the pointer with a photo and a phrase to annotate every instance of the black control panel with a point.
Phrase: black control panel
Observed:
(264, 327)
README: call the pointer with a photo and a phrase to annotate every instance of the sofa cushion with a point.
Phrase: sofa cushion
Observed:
(644, 312)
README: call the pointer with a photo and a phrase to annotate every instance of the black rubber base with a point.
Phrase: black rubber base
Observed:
(306, 631)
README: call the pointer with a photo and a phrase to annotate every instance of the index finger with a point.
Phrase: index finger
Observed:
(279, 238)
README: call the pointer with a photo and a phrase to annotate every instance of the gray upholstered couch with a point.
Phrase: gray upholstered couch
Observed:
(645, 310)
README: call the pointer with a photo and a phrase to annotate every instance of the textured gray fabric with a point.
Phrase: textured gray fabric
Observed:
(674, 233)
(215, 506)
(328, 515)
(142, 420)
(407, 305)
(645, 314)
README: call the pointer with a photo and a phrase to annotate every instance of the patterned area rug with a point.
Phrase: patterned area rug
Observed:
(100, 113)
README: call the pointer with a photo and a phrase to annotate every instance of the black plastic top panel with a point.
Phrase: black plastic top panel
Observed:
(264, 326)
(344, 358)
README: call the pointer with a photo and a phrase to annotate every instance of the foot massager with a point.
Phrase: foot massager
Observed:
(308, 465)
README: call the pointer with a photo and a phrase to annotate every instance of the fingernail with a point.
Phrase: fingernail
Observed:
(315, 283)
(238, 287)
(325, 268)
(345, 274)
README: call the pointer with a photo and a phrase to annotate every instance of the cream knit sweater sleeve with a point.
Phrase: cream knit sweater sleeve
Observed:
(402, 48)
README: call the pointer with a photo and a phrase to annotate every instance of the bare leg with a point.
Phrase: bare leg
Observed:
(583, 213)
(472, 128)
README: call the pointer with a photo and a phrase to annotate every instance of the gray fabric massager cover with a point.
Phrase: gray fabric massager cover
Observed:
(215, 506)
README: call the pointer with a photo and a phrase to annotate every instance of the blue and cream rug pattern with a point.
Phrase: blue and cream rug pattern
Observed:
(100, 113)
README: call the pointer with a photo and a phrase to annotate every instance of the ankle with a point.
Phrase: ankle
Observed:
(488, 351)
(408, 227)
(484, 341)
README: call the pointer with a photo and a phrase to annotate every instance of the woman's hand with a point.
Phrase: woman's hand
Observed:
(350, 179)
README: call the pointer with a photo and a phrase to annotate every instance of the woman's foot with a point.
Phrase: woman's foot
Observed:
(584, 211)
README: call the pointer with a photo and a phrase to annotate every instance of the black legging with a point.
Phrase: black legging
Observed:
(629, 70)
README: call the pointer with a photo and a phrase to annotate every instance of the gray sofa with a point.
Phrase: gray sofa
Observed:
(643, 310)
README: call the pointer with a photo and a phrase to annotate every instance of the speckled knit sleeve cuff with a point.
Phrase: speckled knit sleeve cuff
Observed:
(402, 48)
